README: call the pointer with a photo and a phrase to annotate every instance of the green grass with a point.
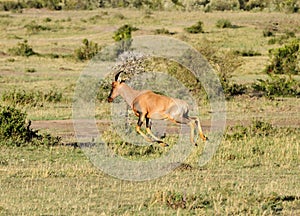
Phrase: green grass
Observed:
(255, 175)
(252, 175)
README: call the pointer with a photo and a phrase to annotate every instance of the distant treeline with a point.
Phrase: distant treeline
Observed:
(290, 6)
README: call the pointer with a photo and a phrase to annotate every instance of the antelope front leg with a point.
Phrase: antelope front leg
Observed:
(156, 139)
(138, 128)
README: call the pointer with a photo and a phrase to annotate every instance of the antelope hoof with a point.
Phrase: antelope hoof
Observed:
(162, 144)
(204, 138)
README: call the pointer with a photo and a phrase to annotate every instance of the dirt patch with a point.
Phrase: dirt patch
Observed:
(65, 128)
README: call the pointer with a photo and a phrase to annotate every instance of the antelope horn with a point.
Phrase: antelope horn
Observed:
(117, 75)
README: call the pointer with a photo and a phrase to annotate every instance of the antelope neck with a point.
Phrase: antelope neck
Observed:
(128, 94)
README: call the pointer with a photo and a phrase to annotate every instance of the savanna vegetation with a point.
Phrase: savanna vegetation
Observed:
(254, 47)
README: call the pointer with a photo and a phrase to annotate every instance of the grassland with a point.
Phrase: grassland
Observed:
(254, 172)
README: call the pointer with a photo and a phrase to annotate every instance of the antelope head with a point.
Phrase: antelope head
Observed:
(115, 88)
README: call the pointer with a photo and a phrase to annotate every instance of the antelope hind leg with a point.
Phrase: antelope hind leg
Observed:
(192, 135)
(138, 129)
(202, 136)
(156, 139)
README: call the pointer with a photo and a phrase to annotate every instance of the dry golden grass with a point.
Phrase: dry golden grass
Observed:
(257, 175)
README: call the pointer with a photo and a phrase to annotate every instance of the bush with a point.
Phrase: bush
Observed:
(163, 31)
(285, 60)
(223, 23)
(123, 36)
(256, 128)
(284, 38)
(22, 49)
(253, 4)
(247, 53)
(30, 70)
(52, 4)
(15, 130)
(233, 89)
(195, 29)
(123, 33)
(180, 200)
(31, 98)
(34, 4)
(80, 4)
(17, 5)
(226, 63)
(277, 86)
(34, 28)
(11, 5)
(222, 5)
(268, 33)
(289, 6)
(87, 51)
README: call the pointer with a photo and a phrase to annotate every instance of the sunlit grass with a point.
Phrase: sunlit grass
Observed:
(252, 175)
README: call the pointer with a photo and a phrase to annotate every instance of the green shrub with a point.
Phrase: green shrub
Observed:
(34, 28)
(289, 6)
(11, 5)
(272, 41)
(247, 53)
(284, 38)
(285, 60)
(47, 19)
(123, 36)
(30, 70)
(80, 5)
(87, 51)
(104, 89)
(17, 5)
(34, 4)
(163, 31)
(180, 200)
(224, 23)
(253, 4)
(277, 86)
(52, 4)
(233, 89)
(31, 98)
(256, 128)
(268, 33)
(226, 63)
(22, 49)
(223, 5)
(15, 130)
(195, 29)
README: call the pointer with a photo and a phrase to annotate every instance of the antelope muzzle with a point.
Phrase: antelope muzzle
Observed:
(110, 99)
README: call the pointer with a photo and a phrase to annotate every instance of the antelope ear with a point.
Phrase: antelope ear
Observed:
(123, 80)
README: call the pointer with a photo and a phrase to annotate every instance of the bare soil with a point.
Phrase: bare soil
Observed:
(65, 128)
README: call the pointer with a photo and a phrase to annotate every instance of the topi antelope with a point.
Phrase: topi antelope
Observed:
(148, 105)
